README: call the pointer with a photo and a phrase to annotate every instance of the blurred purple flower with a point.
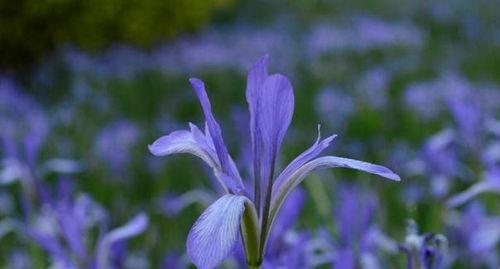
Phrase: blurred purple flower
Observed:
(63, 229)
(477, 236)
(425, 251)
(334, 107)
(24, 126)
(359, 239)
(172, 205)
(114, 143)
(373, 87)
(441, 161)
(363, 34)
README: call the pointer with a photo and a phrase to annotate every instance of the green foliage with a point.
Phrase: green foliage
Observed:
(31, 28)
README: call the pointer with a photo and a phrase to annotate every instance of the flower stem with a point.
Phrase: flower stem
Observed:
(250, 232)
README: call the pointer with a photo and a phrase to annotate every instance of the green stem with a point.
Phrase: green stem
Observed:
(250, 233)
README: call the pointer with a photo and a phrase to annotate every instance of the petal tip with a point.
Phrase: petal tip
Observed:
(196, 82)
(152, 149)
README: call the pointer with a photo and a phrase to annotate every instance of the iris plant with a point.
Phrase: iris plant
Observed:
(240, 211)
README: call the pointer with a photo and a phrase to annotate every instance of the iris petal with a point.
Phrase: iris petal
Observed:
(304, 157)
(181, 142)
(132, 228)
(216, 133)
(324, 162)
(214, 235)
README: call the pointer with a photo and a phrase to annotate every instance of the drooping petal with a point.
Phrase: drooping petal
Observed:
(303, 158)
(216, 134)
(324, 162)
(489, 184)
(474, 190)
(181, 142)
(132, 228)
(196, 143)
(215, 233)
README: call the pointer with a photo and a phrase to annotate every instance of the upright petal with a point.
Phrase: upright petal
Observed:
(216, 133)
(255, 80)
(215, 233)
(275, 111)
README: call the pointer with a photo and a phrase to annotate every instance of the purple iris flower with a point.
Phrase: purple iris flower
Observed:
(63, 228)
(359, 238)
(425, 251)
(117, 137)
(477, 236)
(441, 159)
(271, 104)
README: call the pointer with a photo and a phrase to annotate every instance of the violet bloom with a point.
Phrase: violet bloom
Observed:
(271, 104)
(477, 234)
(63, 228)
(359, 238)
(423, 251)
(117, 137)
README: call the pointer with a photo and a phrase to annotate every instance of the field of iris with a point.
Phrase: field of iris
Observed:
(412, 86)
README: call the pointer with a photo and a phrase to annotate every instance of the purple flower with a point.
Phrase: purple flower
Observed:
(24, 126)
(62, 222)
(271, 103)
(334, 107)
(363, 34)
(423, 251)
(440, 156)
(359, 238)
(477, 236)
(114, 143)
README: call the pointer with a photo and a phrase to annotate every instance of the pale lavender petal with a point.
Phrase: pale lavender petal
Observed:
(216, 133)
(181, 142)
(324, 162)
(72, 230)
(195, 143)
(214, 235)
(303, 158)
(473, 191)
(486, 237)
(132, 228)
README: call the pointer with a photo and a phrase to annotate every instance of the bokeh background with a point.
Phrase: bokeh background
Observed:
(85, 86)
